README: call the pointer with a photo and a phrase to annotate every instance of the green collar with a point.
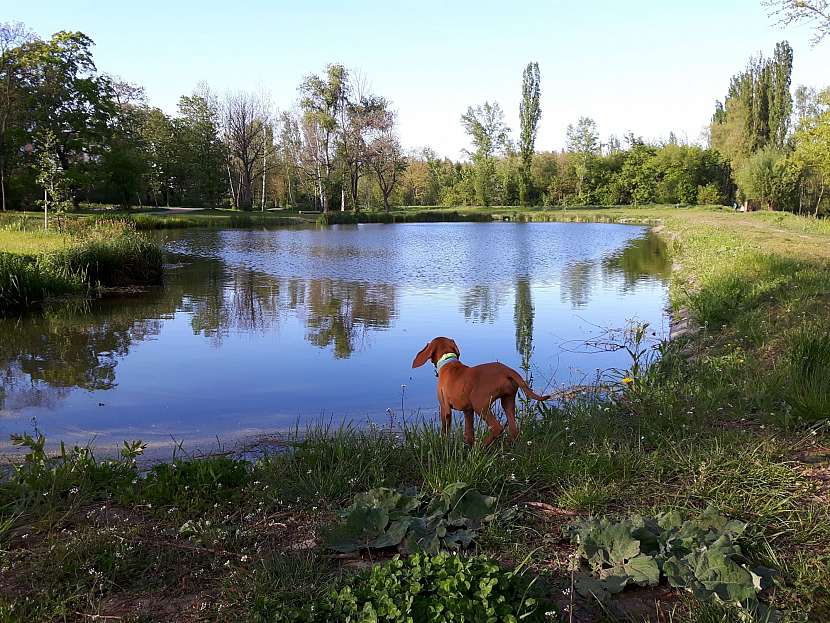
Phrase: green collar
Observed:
(444, 360)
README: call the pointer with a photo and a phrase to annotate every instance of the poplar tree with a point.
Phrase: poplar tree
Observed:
(529, 115)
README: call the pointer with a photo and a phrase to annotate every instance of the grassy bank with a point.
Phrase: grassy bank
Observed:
(731, 418)
(36, 266)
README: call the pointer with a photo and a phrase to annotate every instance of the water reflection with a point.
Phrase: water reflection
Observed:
(340, 313)
(250, 324)
(641, 259)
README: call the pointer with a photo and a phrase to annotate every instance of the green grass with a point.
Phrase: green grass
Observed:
(730, 417)
(36, 266)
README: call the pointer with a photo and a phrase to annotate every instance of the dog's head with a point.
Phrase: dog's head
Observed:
(434, 350)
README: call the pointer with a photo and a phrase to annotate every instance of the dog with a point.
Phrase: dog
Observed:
(473, 389)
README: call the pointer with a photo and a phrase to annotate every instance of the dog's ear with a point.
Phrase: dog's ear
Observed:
(421, 358)
(456, 350)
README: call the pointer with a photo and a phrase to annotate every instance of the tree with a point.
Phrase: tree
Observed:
(363, 116)
(583, 142)
(485, 125)
(65, 94)
(814, 12)
(529, 115)
(757, 109)
(322, 101)
(12, 36)
(780, 71)
(159, 136)
(50, 177)
(811, 156)
(246, 119)
(201, 152)
(762, 180)
(387, 161)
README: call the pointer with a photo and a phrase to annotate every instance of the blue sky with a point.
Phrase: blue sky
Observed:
(648, 67)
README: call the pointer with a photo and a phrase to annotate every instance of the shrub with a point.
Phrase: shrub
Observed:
(709, 195)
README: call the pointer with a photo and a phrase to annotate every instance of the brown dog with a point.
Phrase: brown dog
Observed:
(473, 390)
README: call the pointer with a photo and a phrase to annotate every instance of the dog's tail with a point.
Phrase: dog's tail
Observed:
(526, 388)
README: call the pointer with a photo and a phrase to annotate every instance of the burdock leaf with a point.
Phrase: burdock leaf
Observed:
(471, 506)
(393, 535)
(643, 570)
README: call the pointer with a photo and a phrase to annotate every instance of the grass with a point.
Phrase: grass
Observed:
(732, 416)
(36, 266)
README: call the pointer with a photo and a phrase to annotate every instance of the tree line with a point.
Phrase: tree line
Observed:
(71, 134)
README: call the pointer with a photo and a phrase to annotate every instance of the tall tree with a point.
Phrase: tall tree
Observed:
(757, 109)
(386, 159)
(485, 125)
(12, 36)
(65, 94)
(203, 157)
(322, 101)
(246, 117)
(529, 114)
(780, 98)
(583, 142)
(364, 117)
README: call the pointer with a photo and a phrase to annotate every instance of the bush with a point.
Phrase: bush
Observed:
(709, 195)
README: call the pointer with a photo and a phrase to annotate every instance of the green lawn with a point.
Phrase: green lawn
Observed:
(30, 242)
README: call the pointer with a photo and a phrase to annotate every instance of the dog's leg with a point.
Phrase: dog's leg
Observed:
(444, 412)
(469, 433)
(492, 421)
(508, 403)
(446, 420)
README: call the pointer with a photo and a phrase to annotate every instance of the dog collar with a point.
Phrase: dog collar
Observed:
(445, 359)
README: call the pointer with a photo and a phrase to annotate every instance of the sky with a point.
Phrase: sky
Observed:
(648, 67)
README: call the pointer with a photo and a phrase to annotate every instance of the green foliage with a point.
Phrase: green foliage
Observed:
(442, 588)
(299, 588)
(808, 375)
(195, 485)
(701, 555)
(26, 281)
(486, 128)
(411, 521)
(709, 194)
(102, 252)
(73, 476)
(529, 114)
(763, 179)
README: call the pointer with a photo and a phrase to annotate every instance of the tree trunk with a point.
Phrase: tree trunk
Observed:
(45, 210)
(818, 203)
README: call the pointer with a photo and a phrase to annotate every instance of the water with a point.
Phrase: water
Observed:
(255, 332)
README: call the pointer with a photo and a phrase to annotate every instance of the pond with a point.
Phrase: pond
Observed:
(257, 332)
